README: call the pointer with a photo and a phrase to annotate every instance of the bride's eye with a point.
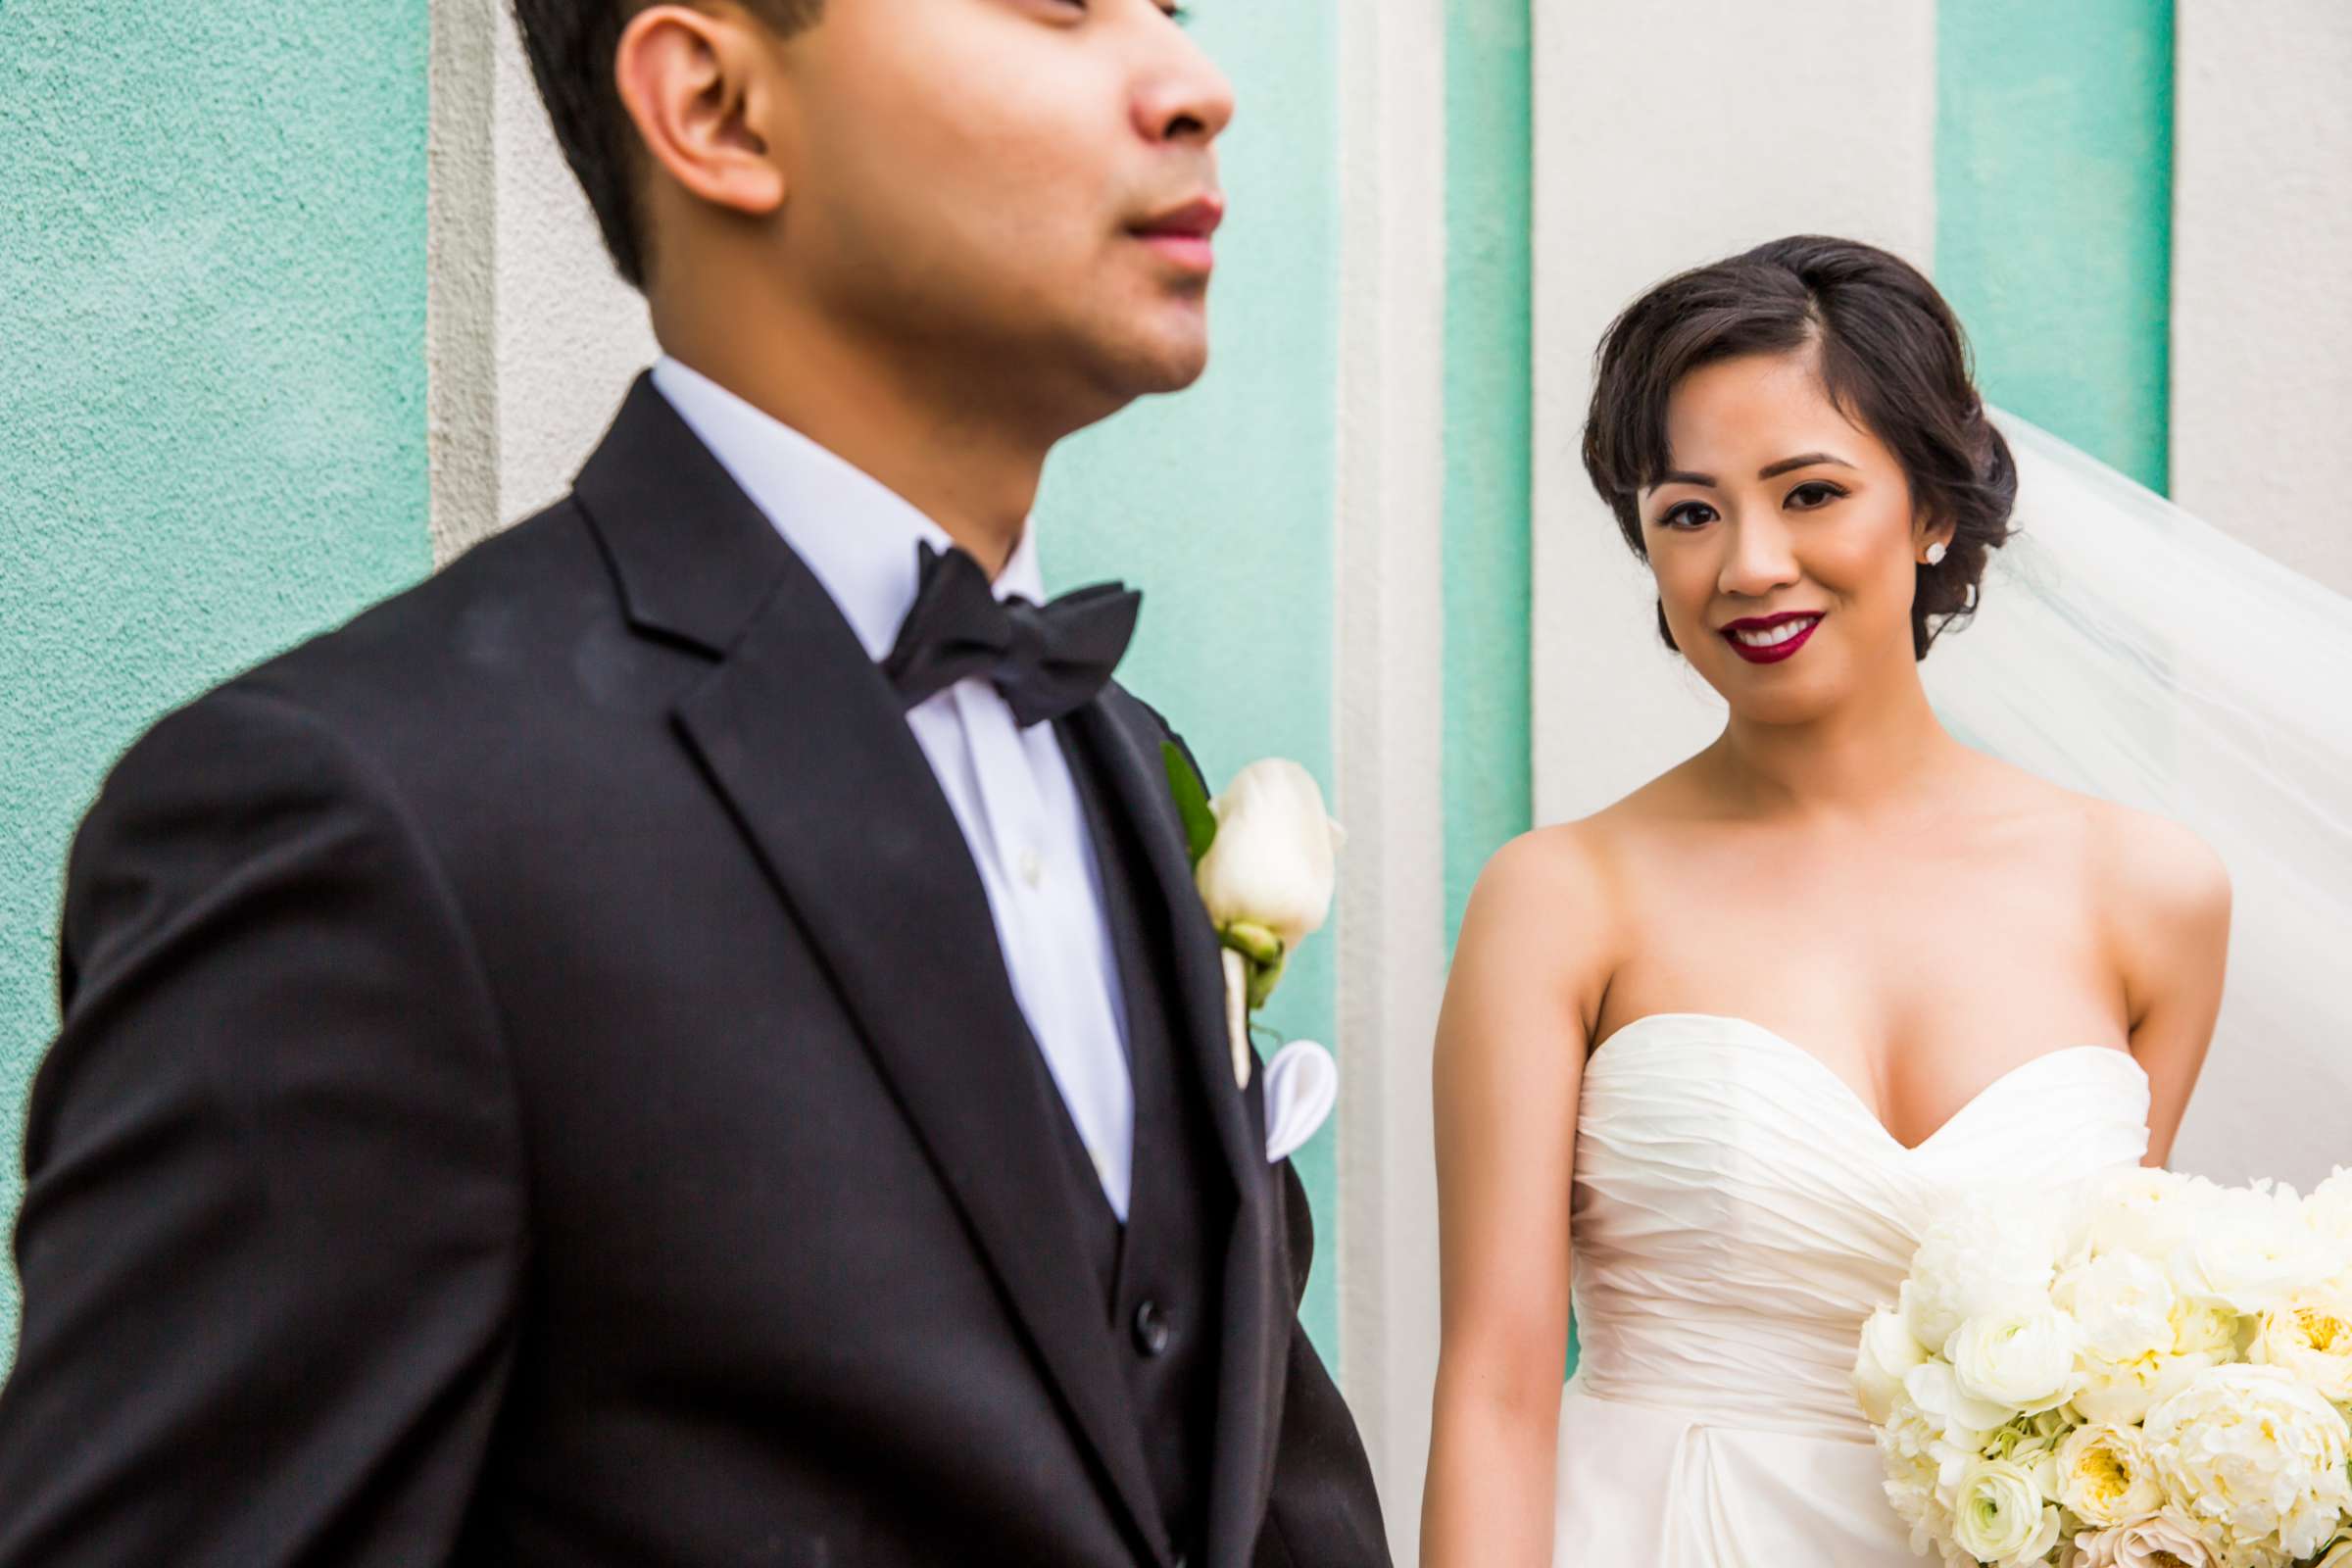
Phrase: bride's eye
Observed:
(1811, 496)
(1687, 515)
(1178, 12)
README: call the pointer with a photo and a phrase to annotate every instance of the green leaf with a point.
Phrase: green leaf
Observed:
(1252, 942)
(1191, 800)
(1263, 978)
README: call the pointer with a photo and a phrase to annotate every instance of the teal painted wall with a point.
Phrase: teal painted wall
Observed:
(1489, 766)
(1218, 504)
(212, 301)
(2054, 174)
(1489, 769)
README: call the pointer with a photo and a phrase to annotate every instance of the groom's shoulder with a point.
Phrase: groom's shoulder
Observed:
(458, 638)
(480, 659)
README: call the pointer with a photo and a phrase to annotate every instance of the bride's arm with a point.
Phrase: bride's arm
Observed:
(2172, 938)
(1509, 1059)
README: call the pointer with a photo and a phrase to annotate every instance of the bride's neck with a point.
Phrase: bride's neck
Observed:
(1864, 755)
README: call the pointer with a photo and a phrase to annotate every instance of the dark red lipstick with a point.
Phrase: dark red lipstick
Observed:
(1773, 653)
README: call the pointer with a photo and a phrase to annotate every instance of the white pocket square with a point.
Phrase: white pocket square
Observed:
(1302, 1084)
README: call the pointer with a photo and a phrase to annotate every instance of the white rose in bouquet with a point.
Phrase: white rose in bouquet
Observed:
(2164, 1539)
(2310, 1334)
(2328, 1208)
(1990, 1255)
(2253, 1250)
(1918, 1456)
(1934, 1390)
(2105, 1476)
(2211, 1327)
(2000, 1516)
(2122, 1303)
(2328, 1213)
(2158, 1377)
(2146, 1211)
(1887, 1352)
(2256, 1461)
(2122, 1393)
(2025, 1363)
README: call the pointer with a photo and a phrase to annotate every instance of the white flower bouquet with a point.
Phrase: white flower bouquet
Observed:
(2155, 1373)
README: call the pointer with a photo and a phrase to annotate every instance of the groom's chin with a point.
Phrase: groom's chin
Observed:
(1169, 358)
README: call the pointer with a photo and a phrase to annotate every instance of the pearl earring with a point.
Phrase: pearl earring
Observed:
(1936, 552)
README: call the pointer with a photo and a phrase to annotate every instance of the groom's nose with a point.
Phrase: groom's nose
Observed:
(1182, 96)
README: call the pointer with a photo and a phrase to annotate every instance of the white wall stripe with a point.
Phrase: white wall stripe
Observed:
(2262, 251)
(1390, 724)
(1642, 171)
(460, 316)
(571, 335)
(531, 335)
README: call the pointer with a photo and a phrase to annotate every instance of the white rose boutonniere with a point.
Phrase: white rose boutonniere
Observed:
(1263, 859)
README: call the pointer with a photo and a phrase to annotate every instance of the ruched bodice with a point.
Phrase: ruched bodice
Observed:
(1738, 1213)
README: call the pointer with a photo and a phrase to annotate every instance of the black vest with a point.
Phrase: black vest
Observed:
(1162, 1272)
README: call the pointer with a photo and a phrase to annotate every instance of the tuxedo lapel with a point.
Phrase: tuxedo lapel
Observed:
(809, 746)
(1254, 1327)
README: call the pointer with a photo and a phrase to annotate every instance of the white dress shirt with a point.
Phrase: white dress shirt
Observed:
(1009, 787)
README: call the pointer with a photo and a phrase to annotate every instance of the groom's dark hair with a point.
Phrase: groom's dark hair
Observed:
(572, 44)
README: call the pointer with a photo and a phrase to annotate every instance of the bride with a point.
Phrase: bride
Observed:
(1726, 1043)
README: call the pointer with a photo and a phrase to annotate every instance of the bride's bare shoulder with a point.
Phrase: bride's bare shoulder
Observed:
(1570, 870)
(2168, 891)
(1576, 861)
(1555, 870)
(1548, 902)
(2158, 879)
(1535, 952)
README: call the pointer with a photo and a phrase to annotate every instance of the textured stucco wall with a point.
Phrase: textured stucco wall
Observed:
(1490, 390)
(212, 307)
(2261, 278)
(2053, 163)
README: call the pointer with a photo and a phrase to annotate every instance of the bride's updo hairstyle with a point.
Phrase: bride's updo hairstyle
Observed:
(1891, 355)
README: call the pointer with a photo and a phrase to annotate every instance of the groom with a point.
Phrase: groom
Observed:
(688, 1039)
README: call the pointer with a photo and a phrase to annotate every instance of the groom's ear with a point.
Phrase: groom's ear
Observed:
(704, 91)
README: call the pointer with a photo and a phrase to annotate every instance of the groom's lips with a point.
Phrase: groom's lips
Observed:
(1182, 234)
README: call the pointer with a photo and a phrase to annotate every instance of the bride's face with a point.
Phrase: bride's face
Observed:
(1782, 539)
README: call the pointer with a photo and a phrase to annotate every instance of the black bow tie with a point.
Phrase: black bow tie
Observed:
(1046, 660)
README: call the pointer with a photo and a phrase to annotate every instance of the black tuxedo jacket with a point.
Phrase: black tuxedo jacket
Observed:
(539, 1086)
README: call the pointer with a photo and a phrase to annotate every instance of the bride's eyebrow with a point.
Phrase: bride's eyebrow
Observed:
(1790, 465)
(1771, 471)
(1705, 481)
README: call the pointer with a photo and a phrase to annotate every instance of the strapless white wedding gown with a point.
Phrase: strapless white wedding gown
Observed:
(1738, 1213)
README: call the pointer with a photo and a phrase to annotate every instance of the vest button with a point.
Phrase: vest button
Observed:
(1152, 1329)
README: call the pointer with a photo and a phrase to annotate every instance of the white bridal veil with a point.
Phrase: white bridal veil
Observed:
(2128, 649)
